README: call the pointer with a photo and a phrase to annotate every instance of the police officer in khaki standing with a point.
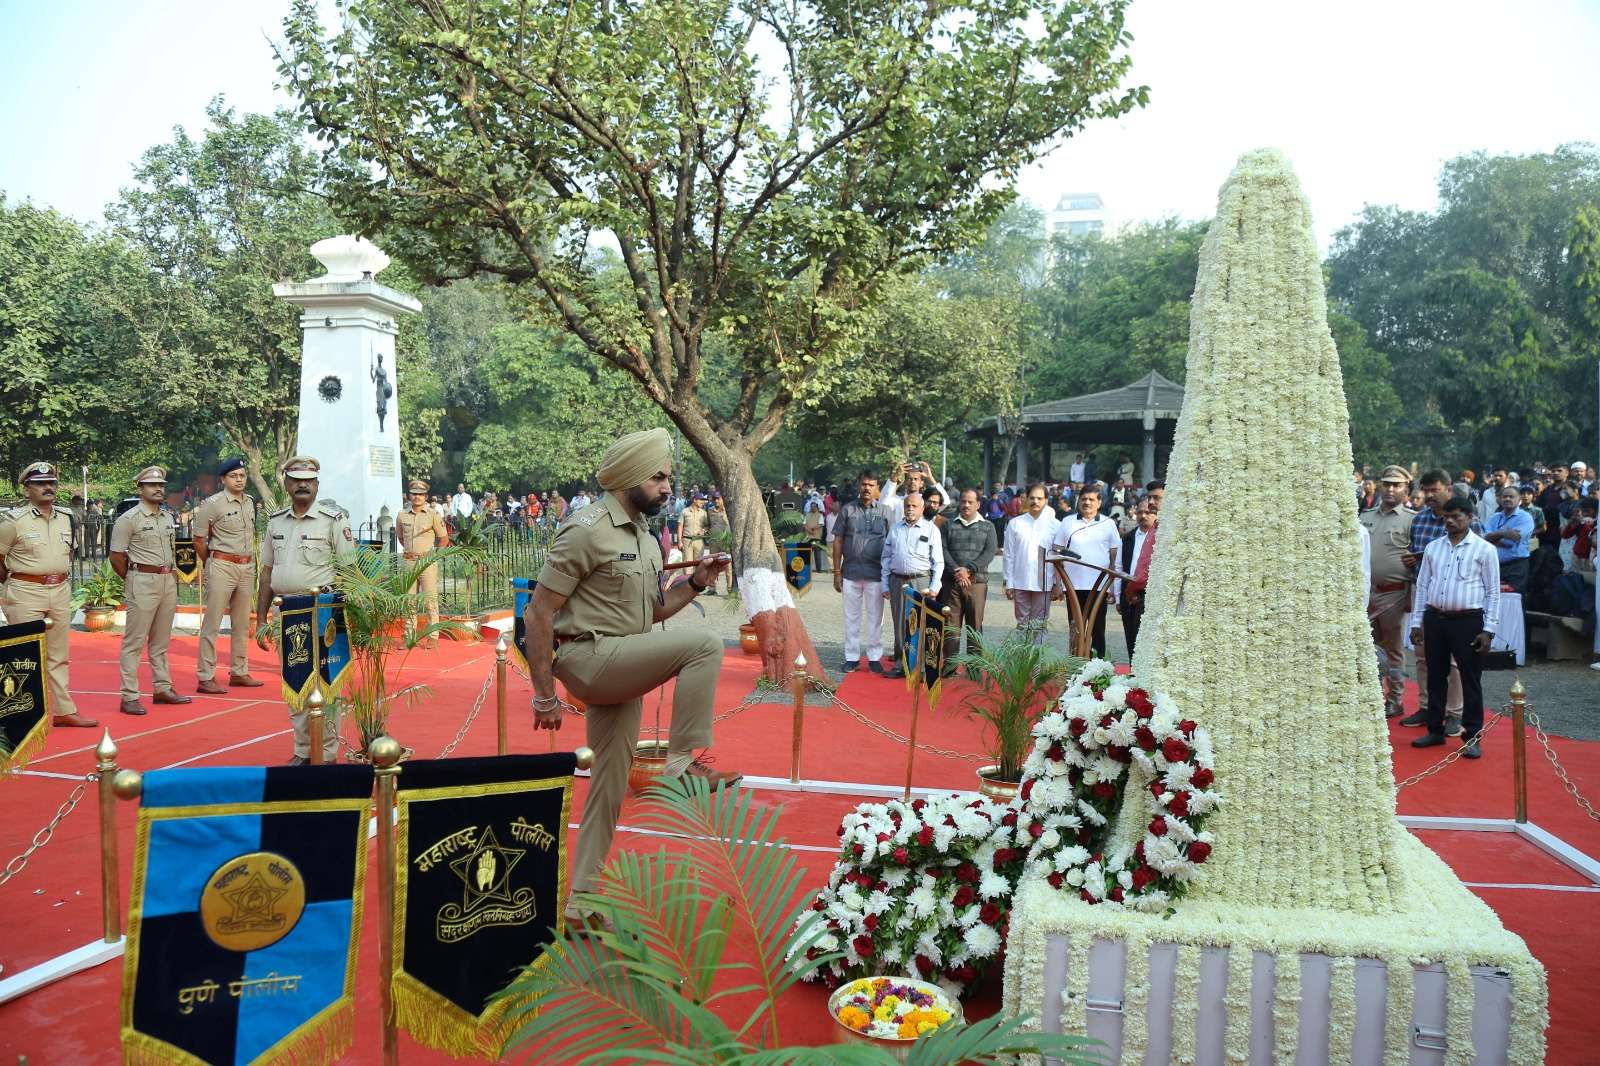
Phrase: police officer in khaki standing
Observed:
(143, 554)
(420, 529)
(297, 556)
(224, 542)
(598, 597)
(36, 567)
(1389, 604)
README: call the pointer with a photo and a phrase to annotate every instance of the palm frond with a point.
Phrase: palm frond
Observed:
(1015, 678)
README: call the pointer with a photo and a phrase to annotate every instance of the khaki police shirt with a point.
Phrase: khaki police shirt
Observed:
(695, 520)
(419, 532)
(30, 543)
(146, 536)
(227, 523)
(1391, 538)
(301, 548)
(609, 568)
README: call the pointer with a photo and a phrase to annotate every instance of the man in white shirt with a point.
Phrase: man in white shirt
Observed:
(1094, 538)
(1029, 587)
(1455, 614)
(461, 502)
(913, 554)
(912, 477)
(1075, 472)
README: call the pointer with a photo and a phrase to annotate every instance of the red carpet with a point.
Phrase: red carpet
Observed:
(54, 905)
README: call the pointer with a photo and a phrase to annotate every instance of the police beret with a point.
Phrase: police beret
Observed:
(151, 475)
(302, 466)
(37, 472)
(229, 466)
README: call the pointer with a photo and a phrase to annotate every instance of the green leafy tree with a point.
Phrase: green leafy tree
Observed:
(220, 219)
(767, 202)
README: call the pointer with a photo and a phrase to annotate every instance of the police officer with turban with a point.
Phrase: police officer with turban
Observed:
(598, 600)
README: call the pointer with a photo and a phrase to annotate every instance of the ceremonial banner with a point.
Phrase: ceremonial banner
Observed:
(333, 644)
(297, 649)
(24, 705)
(922, 635)
(797, 564)
(522, 587)
(480, 881)
(187, 560)
(245, 915)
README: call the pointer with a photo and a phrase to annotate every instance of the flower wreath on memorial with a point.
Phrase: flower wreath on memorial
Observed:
(1074, 784)
(922, 887)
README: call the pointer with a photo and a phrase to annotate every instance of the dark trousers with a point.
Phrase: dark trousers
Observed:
(1132, 616)
(1097, 639)
(1445, 638)
(966, 609)
(1515, 574)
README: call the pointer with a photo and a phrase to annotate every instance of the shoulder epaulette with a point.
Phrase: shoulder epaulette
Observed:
(279, 512)
(333, 510)
(587, 516)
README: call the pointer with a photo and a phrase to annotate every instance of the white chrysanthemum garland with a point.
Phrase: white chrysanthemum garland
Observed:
(922, 888)
(1074, 783)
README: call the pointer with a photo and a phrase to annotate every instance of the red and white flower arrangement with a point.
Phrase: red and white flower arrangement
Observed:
(1075, 785)
(922, 888)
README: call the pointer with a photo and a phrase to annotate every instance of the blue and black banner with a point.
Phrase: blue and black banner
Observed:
(245, 915)
(922, 633)
(797, 564)
(314, 650)
(333, 644)
(480, 882)
(24, 702)
(522, 589)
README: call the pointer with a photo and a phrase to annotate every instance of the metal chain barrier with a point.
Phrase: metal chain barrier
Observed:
(1561, 771)
(943, 753)
(477, 705)
(1483, 731)
(42, 837)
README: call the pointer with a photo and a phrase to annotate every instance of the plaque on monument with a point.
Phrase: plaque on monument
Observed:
(380, 461)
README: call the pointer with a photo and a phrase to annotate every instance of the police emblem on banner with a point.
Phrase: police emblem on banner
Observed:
(797, 564)
(186, 561)
(522, 591)
(480, 879)
(245, 914)
(24, 703)
(333, 644)
(297, 649)
(922, 636)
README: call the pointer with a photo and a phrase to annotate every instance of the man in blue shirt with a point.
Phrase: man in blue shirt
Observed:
(1510, 530)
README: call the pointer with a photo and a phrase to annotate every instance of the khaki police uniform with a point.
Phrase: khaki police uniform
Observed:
(1390, 601)
(420, 532)
(608, 655)
(146, 535)
(301, 549)
(227, 523)
(694, 521)
(37, 550)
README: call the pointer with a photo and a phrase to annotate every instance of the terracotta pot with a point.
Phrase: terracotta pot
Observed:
(649, 763)
(749, 641)
(991, 784)
(99, 619)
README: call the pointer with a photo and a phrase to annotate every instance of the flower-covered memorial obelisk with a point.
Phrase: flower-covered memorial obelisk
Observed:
(1256, 629)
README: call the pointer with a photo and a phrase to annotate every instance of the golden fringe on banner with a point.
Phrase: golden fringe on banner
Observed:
(31, 745)
(438, 1023)
(320, 1041)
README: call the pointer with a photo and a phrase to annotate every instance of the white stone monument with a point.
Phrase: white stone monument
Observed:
(349, 410)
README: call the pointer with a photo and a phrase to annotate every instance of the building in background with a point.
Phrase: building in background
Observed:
(1078, 214)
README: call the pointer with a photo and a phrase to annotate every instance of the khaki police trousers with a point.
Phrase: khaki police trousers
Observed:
(229, 587)
(26, 601)
(151, 599)
(428, 585)
(1390, 613)
(612, 675)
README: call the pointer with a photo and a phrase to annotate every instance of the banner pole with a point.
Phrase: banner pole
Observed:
(110, 888)
(798, 680)
(500, 648)
(314, 706)
(385, 757)
(1519, 749)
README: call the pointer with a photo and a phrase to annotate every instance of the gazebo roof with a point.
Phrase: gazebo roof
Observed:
(1152, 397)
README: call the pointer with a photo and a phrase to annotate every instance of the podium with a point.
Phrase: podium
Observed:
(1081, 640)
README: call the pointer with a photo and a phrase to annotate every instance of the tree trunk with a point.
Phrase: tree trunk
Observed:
(252, 465)
(757, 561)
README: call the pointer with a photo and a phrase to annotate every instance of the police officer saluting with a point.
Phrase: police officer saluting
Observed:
(36, 566)
(598, 599)
(297, 557)
(420, 529)
(224, 542)
(143, 554)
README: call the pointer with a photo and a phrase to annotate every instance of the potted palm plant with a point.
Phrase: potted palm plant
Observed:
(1017, 679)
(98, 595)
(381, 604)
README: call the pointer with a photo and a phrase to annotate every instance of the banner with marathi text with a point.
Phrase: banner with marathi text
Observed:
(922, 633)
(24, 703)
(186, 561)
(245, 915)
(480, 882)
(314, 647)
(798, 564)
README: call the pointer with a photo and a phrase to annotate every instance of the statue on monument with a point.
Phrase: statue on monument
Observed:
(380, 382)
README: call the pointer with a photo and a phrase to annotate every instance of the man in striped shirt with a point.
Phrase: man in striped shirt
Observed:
(1426, 527)
(1454, 617)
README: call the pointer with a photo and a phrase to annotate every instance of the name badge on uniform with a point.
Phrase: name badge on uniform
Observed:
(923, 539)
(627, 557)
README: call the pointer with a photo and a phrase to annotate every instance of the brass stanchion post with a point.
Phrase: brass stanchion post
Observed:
(314, 705)
(105, 755)
(916, 706)
(1519, 749)
(798, 681)
(500, 648)
(385, 756)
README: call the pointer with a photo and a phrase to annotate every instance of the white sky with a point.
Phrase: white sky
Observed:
(1367, 98)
